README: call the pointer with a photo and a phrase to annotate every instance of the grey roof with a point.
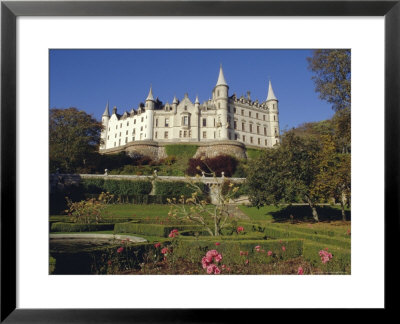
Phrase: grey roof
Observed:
(106, 111)
(150, 96)
(271, 95)
(221, 78)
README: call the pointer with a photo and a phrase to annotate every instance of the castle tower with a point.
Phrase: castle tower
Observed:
(220, 96)
(197, 118)
(150, 103)
(272, 104)
(104, 121)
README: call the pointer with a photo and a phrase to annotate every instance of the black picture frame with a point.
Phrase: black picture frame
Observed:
(10, 10)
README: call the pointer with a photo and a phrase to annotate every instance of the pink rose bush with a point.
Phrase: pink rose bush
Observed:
(325, 256)
(120, 249)
(240, 229)
(208, 262)
(157, 245)
(174, 233)
(269, 253)
(300, 271)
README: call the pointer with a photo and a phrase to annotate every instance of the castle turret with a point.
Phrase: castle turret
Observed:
(105, 118)
(150, 103)
(273, 111)
(220, 96)
(175, 104)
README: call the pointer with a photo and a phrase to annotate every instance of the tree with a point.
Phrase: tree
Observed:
(334, 176)
(286, 173)
(74, 136)
(332, 79)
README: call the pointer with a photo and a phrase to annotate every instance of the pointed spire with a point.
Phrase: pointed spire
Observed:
(106, 111)
(221, 78)
(197, 100)
(114, 111)
(271, 95)
(175, 101)
(150, 96)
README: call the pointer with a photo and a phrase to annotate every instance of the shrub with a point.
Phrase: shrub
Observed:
(339, 264)
(117, 187)
(253, 153)
(217, 165)
(52, 264)
(73, 227)
(181, 150)
(177, 189)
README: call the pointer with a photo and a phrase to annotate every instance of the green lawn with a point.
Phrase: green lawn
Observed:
(136, 211)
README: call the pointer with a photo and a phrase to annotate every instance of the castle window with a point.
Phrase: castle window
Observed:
(156, 122)
(115, 135)
(133, 138)
(251, 128)
(134, 121)
(215, 134)
(184, 133)
(265, 131)
(141, 128)
(116, 126)
(229, 135)
(214, 122)
(180, 133)
(243, 127)
(190, 133)
(259, 141)
(251, 140)
(166, 122)
(120, 125)
(133, 132)
(218, 93)
(108, 137)
(219, 105)
(236, 136)
(242, 112)
(185, 107)
(142, 119)
(155, 135)
(276, 131)
(185, 120)
(126, 140)
(127, 124)
(204, 122)
(266, 142)
(119, 142)
(234, 110)
(244, 138)
(115, 144)
(249, 113)
(235, 124)
(119, 134)
(263, 117)
(126, 133)
(257, 115)
(258, 129)
(204, 134)
(165, 134)
(109, 129)
(274, 118)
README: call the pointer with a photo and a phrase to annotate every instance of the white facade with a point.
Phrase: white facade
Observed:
(223, 117)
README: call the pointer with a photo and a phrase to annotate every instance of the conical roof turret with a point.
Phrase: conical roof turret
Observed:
(150, 96)
(197, 100)
(175, 101)
(107, 111)
(221, 78)
(271, 95)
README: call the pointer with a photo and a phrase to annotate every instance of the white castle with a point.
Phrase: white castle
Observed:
(221, 118)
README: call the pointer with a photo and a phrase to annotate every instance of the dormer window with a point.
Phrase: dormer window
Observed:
(166, 122)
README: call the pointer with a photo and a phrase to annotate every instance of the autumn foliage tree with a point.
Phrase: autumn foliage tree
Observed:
(74, 136)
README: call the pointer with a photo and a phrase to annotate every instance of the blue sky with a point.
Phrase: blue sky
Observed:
(86, 79)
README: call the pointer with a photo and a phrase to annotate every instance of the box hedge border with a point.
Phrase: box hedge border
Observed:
(73, 227)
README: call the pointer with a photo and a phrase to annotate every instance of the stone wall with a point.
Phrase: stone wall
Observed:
(232, 148)
(156, 151)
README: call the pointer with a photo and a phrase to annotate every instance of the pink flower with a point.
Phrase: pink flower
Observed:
(325, 256)
(247, 261)
(269, 253)
(223, 266)
(217, 271)
(283, 248)
(258, 248)
(120, 249)
(216, 243)
(157, 245)
(218, 258)
(109, 262)
(240, 229)
(300, 271)
(211, 268)
(173, 233)
(244, 253)
(164, 250)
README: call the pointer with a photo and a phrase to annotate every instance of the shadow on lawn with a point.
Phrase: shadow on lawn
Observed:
(303, 213)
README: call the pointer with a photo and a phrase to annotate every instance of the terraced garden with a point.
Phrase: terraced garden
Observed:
(272, 240)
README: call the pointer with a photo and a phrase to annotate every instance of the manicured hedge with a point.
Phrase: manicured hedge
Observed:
(339, 264)
(152, 229)
(278, 232)
(73, 227)
(117, 187)
(177, 189)
(230, 250)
